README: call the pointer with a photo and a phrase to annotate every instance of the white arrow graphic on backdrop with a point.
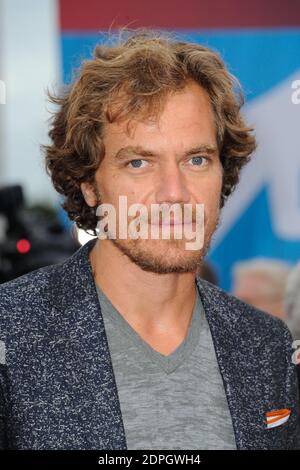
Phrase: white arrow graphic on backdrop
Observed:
(276, 163)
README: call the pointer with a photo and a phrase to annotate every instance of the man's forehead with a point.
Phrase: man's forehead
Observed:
(151, 140)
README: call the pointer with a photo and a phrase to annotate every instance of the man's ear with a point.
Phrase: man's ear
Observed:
(88, 193)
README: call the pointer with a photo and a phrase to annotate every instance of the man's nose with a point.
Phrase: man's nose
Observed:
(171, 185)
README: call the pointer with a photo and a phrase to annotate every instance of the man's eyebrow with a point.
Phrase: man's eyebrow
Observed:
(130, 150)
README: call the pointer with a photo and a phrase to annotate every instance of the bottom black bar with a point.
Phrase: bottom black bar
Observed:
(134, 458)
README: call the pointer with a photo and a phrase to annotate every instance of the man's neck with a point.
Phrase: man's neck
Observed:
(149, 301)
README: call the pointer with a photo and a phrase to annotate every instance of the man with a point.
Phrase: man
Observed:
(122, 346)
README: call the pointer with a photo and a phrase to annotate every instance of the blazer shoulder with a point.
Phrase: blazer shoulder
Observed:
(26, 285)
(26, 301)
(28, 292)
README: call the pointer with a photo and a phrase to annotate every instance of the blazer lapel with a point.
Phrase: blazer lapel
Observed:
(79, 338)
(239, 367)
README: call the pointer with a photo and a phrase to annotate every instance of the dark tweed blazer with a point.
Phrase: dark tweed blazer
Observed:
(57, 385)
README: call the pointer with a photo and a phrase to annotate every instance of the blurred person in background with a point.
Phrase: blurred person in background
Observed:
(292, 301)
(261, 282)
(292, 306)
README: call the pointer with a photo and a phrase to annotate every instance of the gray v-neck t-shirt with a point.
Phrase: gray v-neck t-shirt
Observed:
(168, 402)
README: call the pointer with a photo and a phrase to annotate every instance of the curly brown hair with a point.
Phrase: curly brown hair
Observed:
(133, 77)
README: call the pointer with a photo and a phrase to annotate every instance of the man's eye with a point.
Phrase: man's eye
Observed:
(198, 161)
(137, 163)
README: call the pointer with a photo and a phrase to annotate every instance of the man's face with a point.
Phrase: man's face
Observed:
(159, 168)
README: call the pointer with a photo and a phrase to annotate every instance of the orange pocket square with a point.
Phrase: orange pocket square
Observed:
(277, 417)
